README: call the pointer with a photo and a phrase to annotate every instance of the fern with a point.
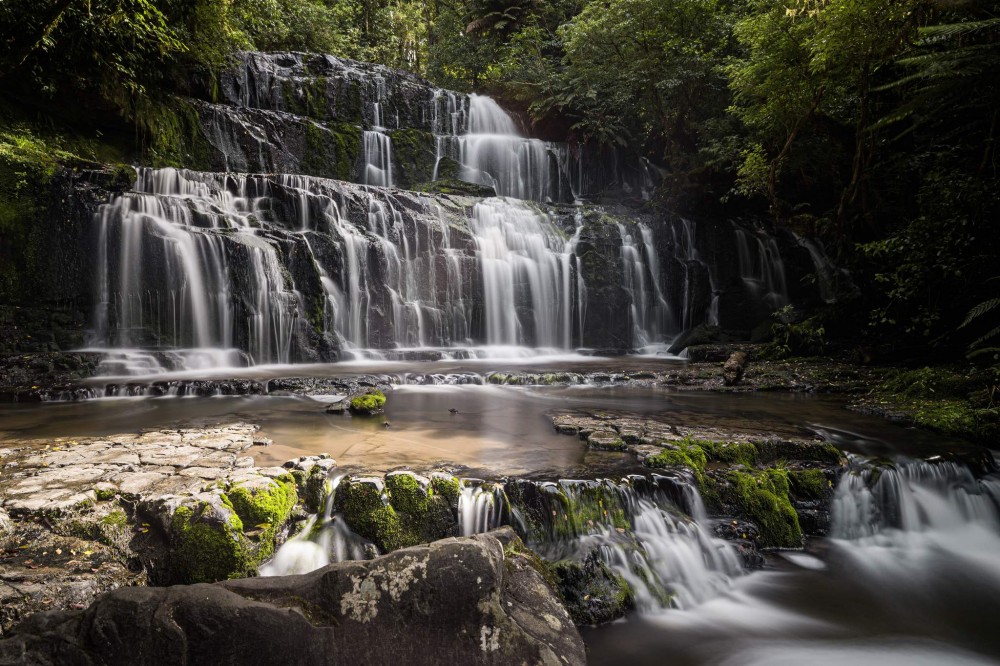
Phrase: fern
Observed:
(980, 310)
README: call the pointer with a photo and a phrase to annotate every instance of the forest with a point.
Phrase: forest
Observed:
(456, 326)
(870, 124)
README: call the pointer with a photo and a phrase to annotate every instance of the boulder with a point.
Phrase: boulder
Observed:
(455, 601)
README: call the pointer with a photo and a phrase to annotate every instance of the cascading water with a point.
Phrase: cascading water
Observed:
(634, 526)
(652, 317)
(377, 145)
(761, 267)
(483, 138)
(528, 279)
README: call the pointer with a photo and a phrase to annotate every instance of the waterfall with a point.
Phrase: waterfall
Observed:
(634, 526)
(761, 267)
(486, 142)
(376, 144)
(886, 504)
(527, 281)
(652, 318)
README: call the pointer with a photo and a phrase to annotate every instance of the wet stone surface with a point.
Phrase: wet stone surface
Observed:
(81, 516)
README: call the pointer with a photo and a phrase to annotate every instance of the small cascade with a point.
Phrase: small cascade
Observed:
(639, 527)
(486, 142)
(376, 144)
(761, 267)
(528, 282)
(322, 540)
(481, 507)
(652, 317)
(693, 278)
(826, 273)
(890, 502)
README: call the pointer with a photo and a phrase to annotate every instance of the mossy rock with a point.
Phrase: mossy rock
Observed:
(207, 543)
(398, 512)
(369, 404)
(810, 484)
(763, 498)
(684, 453)
(591, 591)
(605, 440)
(264, 507)
(447, 487)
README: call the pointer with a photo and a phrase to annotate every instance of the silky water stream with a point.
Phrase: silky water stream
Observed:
(909, 573)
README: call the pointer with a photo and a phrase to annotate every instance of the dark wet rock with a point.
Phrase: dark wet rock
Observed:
(746, 537)
(593, 593)
(699, 335)
(457, 601)
(735, 366)
(456, 187)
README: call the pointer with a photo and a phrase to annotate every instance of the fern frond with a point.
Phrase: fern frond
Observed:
(978, 311)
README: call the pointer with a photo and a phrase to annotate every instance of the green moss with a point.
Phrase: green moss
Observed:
(175, 135)
(595, 504)
(952, 400)
(809, 484)
(105, 494)
(271, 505)
(413, 155)
(455, 187)
(447, 487)
(592, 592)
(762, 497)
(735, 453)
(688, 452)
(205, 549)
(822, 452)
(369, 403)
(367, 510)
(117, 518)
(332, 150)
(406, 495)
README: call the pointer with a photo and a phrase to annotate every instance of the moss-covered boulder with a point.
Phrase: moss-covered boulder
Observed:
(312, 479)
(368, 404)
(221, 535)
(400, 510)
(207, 542)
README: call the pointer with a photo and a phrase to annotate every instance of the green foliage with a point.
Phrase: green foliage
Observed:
(960, 402)
(794, 337)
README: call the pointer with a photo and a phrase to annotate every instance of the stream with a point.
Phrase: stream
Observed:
(909, 573)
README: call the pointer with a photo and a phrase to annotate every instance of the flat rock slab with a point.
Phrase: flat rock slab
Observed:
(454, 601)
(647, 436)
(81, 516)
(142, 465)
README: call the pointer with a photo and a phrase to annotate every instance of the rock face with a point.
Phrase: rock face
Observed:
(455, 601)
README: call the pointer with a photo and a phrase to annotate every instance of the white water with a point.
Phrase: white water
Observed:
(910, 575)
(484, 139)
